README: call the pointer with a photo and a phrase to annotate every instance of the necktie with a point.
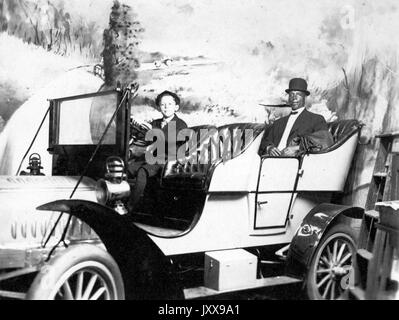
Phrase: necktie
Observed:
(294, 112)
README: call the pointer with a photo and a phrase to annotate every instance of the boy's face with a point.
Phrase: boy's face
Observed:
(168, 106)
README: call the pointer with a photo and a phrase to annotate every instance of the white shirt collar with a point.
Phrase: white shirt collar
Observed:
(167, 120)
(300, 110)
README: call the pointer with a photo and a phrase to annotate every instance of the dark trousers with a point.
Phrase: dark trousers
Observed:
(144, 174)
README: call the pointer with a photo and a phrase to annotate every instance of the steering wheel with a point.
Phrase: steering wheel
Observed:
(138, 132)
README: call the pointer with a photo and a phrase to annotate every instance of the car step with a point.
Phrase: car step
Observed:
(271, 261)
(200, 292)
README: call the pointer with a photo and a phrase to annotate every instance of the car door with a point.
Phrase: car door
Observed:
(275, 192)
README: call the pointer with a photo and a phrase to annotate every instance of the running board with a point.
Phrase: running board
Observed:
(200, 292)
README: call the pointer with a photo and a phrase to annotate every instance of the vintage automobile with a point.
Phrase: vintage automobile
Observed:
(202, 228)
(27, 238)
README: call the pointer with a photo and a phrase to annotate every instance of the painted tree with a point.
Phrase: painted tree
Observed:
(368, 92)
(45, 23)
(121, 40)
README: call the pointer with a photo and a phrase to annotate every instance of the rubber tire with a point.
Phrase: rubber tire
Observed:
(45, 281)
(339, 227)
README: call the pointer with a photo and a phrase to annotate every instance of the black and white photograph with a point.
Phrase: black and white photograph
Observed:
(217, 152)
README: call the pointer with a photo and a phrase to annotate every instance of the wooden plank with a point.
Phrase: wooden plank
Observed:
(375, 266)
(380, 174)
(388, 134)
(198, 292)
(395, 177)
(387, 190)
(379, 166)
(366, 236)
(386, 266)
(372, 214)
(395, 145)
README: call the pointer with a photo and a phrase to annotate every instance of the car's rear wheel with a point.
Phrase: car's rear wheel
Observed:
(83, 272)
(331, 271)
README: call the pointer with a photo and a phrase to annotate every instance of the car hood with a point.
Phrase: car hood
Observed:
(21, 225)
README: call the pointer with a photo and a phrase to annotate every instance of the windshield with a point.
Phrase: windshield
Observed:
(83, 121)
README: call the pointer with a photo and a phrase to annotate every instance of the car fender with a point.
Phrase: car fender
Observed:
(146, 271)
(310, 232)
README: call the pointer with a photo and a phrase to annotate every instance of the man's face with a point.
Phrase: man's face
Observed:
(168, 106)
(296, 99)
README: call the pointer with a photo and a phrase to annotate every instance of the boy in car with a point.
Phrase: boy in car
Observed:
(168, 104)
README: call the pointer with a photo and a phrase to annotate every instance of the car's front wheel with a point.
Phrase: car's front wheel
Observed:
(82, 272)
(331, 271)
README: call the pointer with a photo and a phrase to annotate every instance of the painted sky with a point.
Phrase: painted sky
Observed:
(217, 28)
(213, 27)
(309, 36)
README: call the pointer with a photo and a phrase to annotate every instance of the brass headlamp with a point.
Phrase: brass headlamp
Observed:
(114, 188)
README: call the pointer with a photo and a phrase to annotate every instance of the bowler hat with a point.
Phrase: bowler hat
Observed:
(298, 84)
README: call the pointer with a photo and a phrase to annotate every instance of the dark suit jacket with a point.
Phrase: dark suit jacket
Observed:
(305, 124)
(180, 124)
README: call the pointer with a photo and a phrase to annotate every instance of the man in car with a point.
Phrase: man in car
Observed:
(168, 104)
(283, 138)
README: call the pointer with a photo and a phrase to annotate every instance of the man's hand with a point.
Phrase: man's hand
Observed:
(290, 151)
(274, 152)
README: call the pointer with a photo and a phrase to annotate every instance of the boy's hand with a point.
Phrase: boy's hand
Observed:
(146, 125)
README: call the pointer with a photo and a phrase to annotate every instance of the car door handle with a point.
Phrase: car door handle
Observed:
(261, 203)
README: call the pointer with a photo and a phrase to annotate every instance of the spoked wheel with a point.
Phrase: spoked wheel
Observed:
(332, 269)
(86, 281)
(84, 272)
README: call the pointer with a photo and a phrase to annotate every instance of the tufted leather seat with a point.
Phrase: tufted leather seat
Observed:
(227, 141)
(189, 175)
(341, 131)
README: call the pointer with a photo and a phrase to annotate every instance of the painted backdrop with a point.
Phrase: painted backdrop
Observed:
(222, 57)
